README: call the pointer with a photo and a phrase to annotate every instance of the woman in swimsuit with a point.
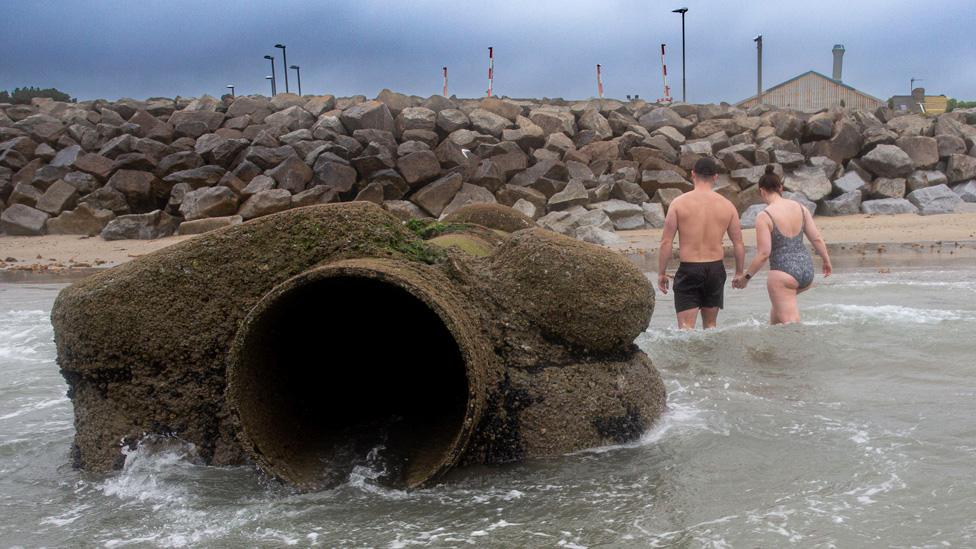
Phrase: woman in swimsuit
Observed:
(779, 238)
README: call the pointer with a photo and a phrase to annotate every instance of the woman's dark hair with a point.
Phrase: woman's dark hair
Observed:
(770, 182)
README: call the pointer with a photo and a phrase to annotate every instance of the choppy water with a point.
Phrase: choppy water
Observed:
(853, 430)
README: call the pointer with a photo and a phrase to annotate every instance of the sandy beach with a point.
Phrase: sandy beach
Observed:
(846, 236)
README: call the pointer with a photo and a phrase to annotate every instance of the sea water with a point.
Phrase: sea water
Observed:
(853, 429)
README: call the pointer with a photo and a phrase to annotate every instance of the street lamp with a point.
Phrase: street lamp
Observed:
(758, 41)
(284, 61)
(298, 72)
(274, 89)
(231, 88)
(682, 11)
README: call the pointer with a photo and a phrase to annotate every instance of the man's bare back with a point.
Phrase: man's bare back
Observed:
(701, 218)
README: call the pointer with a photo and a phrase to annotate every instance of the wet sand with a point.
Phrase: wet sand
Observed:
(860, 240)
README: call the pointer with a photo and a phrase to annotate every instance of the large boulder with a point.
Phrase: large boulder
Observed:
(924, 151)
(418, 167)
(849, 182)
(369, 115)
(809, 181)
(201, 226)
(888, 161)
(935, 200)
(264, 203)
(574, 194)
(966, 191)
(291, 174)
(468, 195)
(624, 215)
(21, 220)
(653, 214)
(885, 187)
(960, 168)
(144, 226)
(137, 188)
(846, 204)
(57, 198)
(208, 202)
(664, 116)
(435, 196)
(487, 122)
(82, 220)
(888, 206)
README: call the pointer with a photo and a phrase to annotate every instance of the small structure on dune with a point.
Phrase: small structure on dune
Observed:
(320, 338)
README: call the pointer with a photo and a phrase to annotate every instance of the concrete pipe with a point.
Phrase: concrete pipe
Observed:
(320, 339)
(359, 358)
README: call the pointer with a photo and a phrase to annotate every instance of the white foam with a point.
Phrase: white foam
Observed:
(34, 406)
(678, 416)
(896, 314)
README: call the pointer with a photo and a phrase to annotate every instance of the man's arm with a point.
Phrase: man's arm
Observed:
(735, 235)
(665, 249)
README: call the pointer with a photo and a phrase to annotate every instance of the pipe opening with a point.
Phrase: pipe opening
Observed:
(344, 371)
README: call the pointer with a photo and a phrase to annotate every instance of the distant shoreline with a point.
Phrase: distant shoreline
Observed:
(854, 241)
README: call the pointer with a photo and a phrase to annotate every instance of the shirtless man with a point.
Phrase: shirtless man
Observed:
(701, 218)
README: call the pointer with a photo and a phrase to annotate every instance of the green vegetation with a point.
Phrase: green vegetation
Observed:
(957, 104)
(427, 228)
(23, 96)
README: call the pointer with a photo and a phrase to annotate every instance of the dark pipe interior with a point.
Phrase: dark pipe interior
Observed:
(348, 371)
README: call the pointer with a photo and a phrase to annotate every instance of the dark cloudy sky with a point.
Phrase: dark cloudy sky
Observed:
(145, 48)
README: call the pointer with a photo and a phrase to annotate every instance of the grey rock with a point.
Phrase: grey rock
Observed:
(258, 184)
(888, 161)
(416, 118)
(888, 206)
(65, 158)
(924, 151)
(369, 115)
(630, 192)
(966, 191)
(264, 203)
(435, 196)
(574, 194)
(335, 175)
(106, 198)
(144, 226)
(201, 226)
(404, 209)
(960, 168)
(849, 182)
(653, 214)
(290, 119)
(137, 187)
(531, 210)
(468, 194)
(748, 217)
(451, 120)
(82, 220)
(487, 122)
(204, 176)
(935, 200)
(318, 194)
(925, 178)
(846, 204)
(292, 174)
(418, 167)
(884, 187)
(596, 235)
(661, 117)
(809, 181)
(57, 198)
(21, 220)
(208, 202)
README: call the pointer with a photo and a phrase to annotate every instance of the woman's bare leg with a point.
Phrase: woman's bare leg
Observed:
(782, 290)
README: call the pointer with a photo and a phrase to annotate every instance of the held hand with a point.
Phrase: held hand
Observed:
(662, 283)
(740, 282)
(828, 269)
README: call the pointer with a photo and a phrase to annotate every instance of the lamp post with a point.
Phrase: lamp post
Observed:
(274, 89)
(684, 93)
(231, 88)
(758, 41)
(271, 78)
(284, 63)
(298, 73)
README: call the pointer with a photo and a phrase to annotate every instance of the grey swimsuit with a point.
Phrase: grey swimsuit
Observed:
(790, 255)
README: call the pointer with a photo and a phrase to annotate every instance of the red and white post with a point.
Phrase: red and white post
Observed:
(599, 81)
(491, 68)
(664, 74)
(445, 82)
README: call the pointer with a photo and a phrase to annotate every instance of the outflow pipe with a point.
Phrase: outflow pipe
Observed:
(398, 377)
(319, 339)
